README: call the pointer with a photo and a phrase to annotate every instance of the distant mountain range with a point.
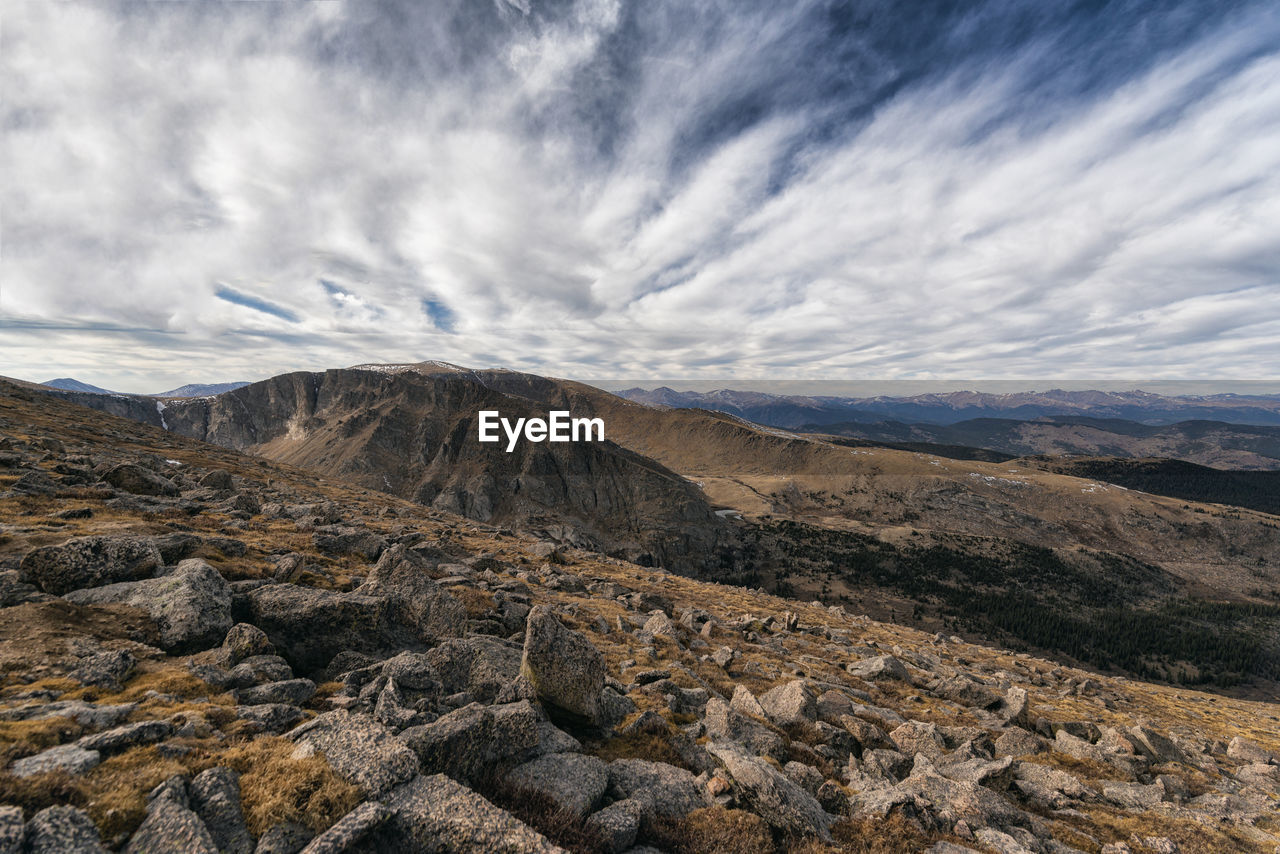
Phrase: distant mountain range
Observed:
(188, 390)
(794, 411)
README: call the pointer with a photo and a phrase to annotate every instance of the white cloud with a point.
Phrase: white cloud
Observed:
(155, 157)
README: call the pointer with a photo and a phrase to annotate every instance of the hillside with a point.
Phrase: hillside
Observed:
(204, 650)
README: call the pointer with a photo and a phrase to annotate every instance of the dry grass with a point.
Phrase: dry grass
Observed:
(712, 830)
(275, 787)
(117, 789)
(478, 603)
(25, 738)
(894, 834)
(1192, 837)
(639, 745)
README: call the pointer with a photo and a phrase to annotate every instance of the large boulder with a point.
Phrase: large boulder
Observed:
(572, 781)
(349, 831)
(191, 606)
(62, 830)
(416, 600)
(771, 795)
(469, 742)
(725, 723)
(311, 626)
(663, 789)
(360, 749)
(792, 703)
(89, 562)
(67, 758)
(481, 666)
(171, 828)
(215, 797)
(562, 665)
(432, 815)
(137, 480)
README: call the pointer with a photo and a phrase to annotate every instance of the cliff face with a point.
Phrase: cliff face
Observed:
(414, 434)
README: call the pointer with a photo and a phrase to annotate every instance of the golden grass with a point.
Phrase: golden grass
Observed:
(713, 830)
(25, 738)
(274, 787)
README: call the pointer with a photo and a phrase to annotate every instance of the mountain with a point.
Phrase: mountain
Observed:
(1144, 584)
(1207, 443)
(200, 390)
(200, 644)
(69, 384)
(793, 411)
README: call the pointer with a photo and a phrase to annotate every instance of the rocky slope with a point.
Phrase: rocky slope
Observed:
(205, 651)
(413, 433)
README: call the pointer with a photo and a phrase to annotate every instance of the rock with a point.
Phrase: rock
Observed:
(1246, 751)
(572, 781)
(745, 702)
(1155, 745)
(107, 670)
(562, 665)
(725, 723)
(724, 656)
(215, 797)
(289, 692)
(217, 479)
(995, 774)
(340, 540)
(832, 798)
(245, 641)
(311, 626)
(171, 828)
(1019, 742)
(1001, 842)
(258, 670)
(12, 830)
(271, 718)
(833, 705)
(85, 714)
(89, 562)
(660, 626)
(772, 796)
(350, 830)
(1134, 796)
(1014, 708)
(805, 776)
(416, 600)
(663, 789)
(880, 667)
(793, 703)
(112, 740)
(436, 814)
(617, 824)
(552, 739)
(469, 742)
(138, 481)
(62, 830)
(284, 838)
(65, 757)
(919, 737)
(967, 692)
(483, 667)
(191, 606)
(361, 750)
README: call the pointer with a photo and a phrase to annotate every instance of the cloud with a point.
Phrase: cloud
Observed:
(600, 187)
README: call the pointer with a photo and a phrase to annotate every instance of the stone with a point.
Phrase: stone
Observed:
(745, 702)
(435, 814)
(171, 828)
(572, 781)
(86, 714)
(805, 776)
(290, 692)
(773, 797)
(1014, 708)
(177, 546)
(62, 830)
(259, 670)
(616, 825)
(284, 838)
(416, 600)
(792, 703)
(271, 718)
(1000, 842)
(469, 742)
(1019, 742)
(483, 667)
(128, 735)
(107, 670)
(65, 757)
(191, 606)
(562, 665)
(245, 641)
(12, 829)
(350, 830)
(217, 479)
(136, 480)
(919, 737)
(880, 667)
(724, 656)
(663, 789)
(1246, 751)
(310, 626)
(361, 750)
(215, 797)
(967, 692)
(726, 723)
(89, 562)
(552, 739)
(1155, 745)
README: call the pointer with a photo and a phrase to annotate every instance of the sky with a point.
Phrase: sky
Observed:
(884, 190)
